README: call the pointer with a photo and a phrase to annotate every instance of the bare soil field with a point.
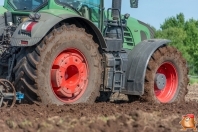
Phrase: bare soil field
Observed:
(119, 116)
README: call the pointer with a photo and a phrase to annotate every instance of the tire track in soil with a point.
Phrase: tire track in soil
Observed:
(98, 117)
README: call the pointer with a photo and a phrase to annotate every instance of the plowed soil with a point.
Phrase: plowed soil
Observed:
(118, 116)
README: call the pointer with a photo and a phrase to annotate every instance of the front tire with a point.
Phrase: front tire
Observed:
(166, 77)
(64, 68)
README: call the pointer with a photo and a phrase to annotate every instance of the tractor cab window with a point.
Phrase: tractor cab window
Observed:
(89, 9)
(28, 5)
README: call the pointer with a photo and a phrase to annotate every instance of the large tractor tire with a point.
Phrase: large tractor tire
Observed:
(166, 77)
(65, 68)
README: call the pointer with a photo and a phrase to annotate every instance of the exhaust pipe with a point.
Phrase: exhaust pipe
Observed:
(116, 4)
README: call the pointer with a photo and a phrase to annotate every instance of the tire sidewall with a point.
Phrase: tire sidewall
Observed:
(61, 42)
(172, 58)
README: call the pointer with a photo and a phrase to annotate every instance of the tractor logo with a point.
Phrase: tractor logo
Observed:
(188, 122)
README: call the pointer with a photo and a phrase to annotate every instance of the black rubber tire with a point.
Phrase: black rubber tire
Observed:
(161, 55)
(32, 72)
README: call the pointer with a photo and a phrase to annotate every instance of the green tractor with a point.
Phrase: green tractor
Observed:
(75, 51)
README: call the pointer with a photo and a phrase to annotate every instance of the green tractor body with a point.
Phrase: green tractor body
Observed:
(75, 51)
(135, 31)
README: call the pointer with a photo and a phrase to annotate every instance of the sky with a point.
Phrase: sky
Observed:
(154, 12)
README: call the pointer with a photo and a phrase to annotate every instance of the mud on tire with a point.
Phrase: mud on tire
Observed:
(170, 57)
(34, 64)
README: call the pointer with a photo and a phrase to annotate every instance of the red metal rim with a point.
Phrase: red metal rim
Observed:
(168, 92)
(69, 75)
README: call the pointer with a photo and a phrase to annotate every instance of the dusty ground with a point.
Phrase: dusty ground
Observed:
(192, 92)
(99, 117)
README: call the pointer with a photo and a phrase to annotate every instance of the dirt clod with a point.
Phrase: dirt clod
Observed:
(99, 117)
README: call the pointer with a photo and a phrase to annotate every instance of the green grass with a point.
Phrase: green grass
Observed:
(193, 80)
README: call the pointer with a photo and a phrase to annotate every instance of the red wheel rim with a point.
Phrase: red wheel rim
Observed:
(168, 92)
(69, 75)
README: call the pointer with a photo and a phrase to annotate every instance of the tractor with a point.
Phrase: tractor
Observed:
(76, 51)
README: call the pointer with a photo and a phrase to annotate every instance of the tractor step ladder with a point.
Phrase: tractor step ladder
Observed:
(118, 76)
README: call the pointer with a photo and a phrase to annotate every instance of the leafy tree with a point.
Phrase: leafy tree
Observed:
(177, 21)
(184, 36)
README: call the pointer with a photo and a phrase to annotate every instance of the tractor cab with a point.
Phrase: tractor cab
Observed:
(27, 5)
(90, 9)
(86, 8)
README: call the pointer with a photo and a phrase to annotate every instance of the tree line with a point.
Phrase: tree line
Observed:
(184, 36)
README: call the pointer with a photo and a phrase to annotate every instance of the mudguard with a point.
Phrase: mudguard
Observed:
(45, 24)
(138, 61)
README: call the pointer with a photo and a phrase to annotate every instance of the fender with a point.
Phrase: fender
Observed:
(46, 23)
(138, 61)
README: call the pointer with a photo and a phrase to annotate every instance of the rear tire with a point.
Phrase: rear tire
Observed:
(168, 62)
(38, 69)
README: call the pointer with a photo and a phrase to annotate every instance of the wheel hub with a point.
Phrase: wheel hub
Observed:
(160, 81)
(69, 75)
(166, 82)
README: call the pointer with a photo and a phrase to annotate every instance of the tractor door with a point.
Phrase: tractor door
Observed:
(91, 10)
